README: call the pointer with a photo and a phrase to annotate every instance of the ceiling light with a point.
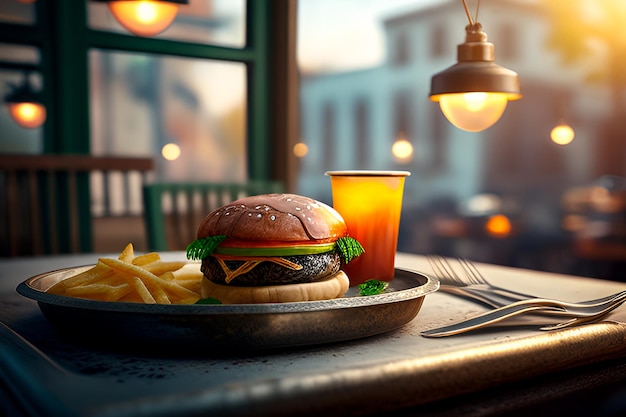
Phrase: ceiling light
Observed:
(474, 92)
(25, 105)
(145, 17)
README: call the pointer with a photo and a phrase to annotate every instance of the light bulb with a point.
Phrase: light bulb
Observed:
(473, 111)
(144, 17)
(562, 134)
(28, 114)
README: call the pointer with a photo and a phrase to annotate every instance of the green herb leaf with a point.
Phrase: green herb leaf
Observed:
(201, 248)
(209, 300)
(349, 248)
(372, 287)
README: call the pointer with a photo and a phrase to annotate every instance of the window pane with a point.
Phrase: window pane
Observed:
(140, 103)
(218, 22)
(13, 137)
(12, 11)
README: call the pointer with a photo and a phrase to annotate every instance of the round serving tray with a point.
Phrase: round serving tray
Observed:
(234, 326)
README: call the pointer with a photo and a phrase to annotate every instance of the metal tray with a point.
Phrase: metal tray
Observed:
(236, 326)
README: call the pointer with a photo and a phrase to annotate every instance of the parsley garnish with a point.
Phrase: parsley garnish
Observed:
(372, 287)
(349, 248)
(201, 248)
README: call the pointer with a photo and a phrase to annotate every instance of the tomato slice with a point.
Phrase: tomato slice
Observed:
(274, 250)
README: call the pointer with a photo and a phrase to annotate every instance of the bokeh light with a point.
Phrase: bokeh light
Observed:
(171, 151)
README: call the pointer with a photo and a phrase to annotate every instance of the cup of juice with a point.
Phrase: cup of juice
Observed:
(370, 203)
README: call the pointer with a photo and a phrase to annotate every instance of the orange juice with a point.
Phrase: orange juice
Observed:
(370, 202)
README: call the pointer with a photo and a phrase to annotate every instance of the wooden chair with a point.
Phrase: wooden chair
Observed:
(173, 212)
(46, 203)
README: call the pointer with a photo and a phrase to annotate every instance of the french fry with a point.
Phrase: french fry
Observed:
(137, 279)
(141, 289)
(145, 275)
(146, 258)
(128, 253)
(161, 267)
(89, 276)
(102, 292)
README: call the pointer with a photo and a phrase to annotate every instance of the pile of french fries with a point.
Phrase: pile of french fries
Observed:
(142, 279)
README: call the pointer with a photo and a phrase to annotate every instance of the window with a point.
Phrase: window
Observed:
(207, 37)
(329, 138)
(402, 112)
(142, 102)
(18, 63)
(362, 133)
(439, 144)
(216, 78)
(439, 43)
(216, 22)
(401, 53)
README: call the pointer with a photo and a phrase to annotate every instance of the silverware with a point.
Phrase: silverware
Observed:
(579, 314)
(472, 285)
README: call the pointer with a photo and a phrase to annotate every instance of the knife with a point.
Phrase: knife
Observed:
(490, 317)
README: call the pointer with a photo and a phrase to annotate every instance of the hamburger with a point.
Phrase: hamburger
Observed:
(273, 248)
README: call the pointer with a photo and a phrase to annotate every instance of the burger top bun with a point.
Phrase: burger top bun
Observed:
(275, 217)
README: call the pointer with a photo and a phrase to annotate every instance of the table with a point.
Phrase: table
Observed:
(514, 370)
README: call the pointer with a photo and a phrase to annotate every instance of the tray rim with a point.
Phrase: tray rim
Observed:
(28, 290)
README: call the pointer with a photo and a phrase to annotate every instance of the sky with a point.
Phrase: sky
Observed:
(343, 35)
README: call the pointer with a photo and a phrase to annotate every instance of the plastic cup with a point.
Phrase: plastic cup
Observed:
(371, 203)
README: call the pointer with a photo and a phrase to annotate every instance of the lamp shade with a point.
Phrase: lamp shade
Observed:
(145, 17)
(474, 92)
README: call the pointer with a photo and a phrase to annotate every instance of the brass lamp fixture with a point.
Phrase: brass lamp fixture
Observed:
(25, 106)
(144, 17)
(474, 92)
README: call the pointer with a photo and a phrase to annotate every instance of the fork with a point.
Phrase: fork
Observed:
(474, 286)
(578, 315)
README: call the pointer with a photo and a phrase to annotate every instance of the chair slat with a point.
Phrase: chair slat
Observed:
(185, 218)
(43, 203)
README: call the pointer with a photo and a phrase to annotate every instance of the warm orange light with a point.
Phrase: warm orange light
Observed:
(474, 111)
(300, 149)
(144, 17)
(562, 134)
(498, 225)
(28, 114)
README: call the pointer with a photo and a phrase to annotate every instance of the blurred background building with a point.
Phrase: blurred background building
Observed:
(508, 195)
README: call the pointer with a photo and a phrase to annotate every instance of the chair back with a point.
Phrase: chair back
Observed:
(46, 200)
(174, 211)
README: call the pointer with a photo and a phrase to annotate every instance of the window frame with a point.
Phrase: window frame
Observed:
(62, 35)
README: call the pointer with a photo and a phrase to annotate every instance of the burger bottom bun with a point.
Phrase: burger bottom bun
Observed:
(334, 286)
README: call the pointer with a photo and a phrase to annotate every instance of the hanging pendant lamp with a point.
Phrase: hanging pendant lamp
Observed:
(25, 105)
(474, 92)
(144, 17)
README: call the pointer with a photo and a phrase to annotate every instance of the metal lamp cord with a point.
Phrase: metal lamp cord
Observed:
(472, 22)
